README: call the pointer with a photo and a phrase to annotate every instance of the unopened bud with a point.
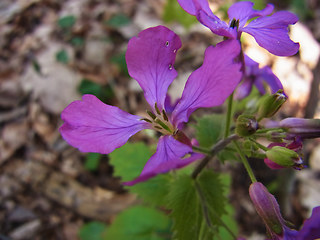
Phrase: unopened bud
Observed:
(271, 104)
(246, 125)
(284, 157)
(304, 128)
(268, 208)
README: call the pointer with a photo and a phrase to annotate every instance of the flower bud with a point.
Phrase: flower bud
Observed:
(279, 157)
(267, 207)
(304, 128)
(246, 125)
(271, 104)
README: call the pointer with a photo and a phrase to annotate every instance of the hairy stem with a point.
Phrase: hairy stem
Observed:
(228, 119)
(216, 148)
(245, 162)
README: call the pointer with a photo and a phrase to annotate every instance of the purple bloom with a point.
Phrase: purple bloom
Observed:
(268, 209)
(270, 32)
(93, 126)
(257, 76)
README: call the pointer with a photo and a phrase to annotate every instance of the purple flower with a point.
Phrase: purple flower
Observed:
(270, 32)
(257, 76)
(268, 209)
(93, 126)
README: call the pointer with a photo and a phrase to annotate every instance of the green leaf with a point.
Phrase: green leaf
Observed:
(186, 211)
(62, 56)
(67, 21)
(36, 66)
(208, 129)
(139, 223)
(92, 161)
(129, 160)
(92, 231)
(227, 154)
(188, 201)
(118, 20)
(173, 12)
(102, 92)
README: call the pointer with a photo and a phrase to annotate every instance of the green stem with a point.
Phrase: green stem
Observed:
(245, 162)
(216, 148)
(264, 130)
(228, 120)
(264, 148)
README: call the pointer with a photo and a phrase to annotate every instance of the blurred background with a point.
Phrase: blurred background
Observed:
(53, 51)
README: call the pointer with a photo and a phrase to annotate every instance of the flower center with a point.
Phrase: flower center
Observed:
(234, 23)
(160, 121)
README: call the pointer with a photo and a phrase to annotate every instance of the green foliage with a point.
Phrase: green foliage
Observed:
(189, 200)
(92, 231)
(92, 161)
(62, 56)
(128, 162)
(102, 92)
(208, 129)
(258, 4)
(139, 223)
(67, 21)
(36, 66)
(120, 61)
(301, 8)
(173, 12)
(118, 20)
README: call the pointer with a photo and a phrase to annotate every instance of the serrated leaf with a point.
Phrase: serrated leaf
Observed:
(139, 223)
(186, 210)
(118, 20)
(227, 154)
(208, 129)
(92, 161)
(174, 12)
(67, 21)
(62, 56)
(129, 160)
(92, 231)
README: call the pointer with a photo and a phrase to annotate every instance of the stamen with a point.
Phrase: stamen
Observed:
(163, 125)
(157, 109)
(146, 119)
(151, 114)
(165, 117)
(234, 23)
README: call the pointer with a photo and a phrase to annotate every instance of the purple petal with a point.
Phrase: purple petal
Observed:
(271, 33)
(192, 6)
(272, 80)
(243, 11)
(244, 89)
(311, 227)
(92, 126)
(150, 58)
(169, 155)
(212, 83)
(216, 25)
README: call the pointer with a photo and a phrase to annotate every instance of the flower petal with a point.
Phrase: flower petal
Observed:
(192, 6)
(212, 83)
(150, 58)
(243, 11)
(266, 75)
(169, 155)
(311, 226)
(92, 126)
(271, 33)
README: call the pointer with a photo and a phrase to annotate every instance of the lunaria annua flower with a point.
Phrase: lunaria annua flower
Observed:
(93, 126)
(255, 76)
(270, 32)
(268, 209)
